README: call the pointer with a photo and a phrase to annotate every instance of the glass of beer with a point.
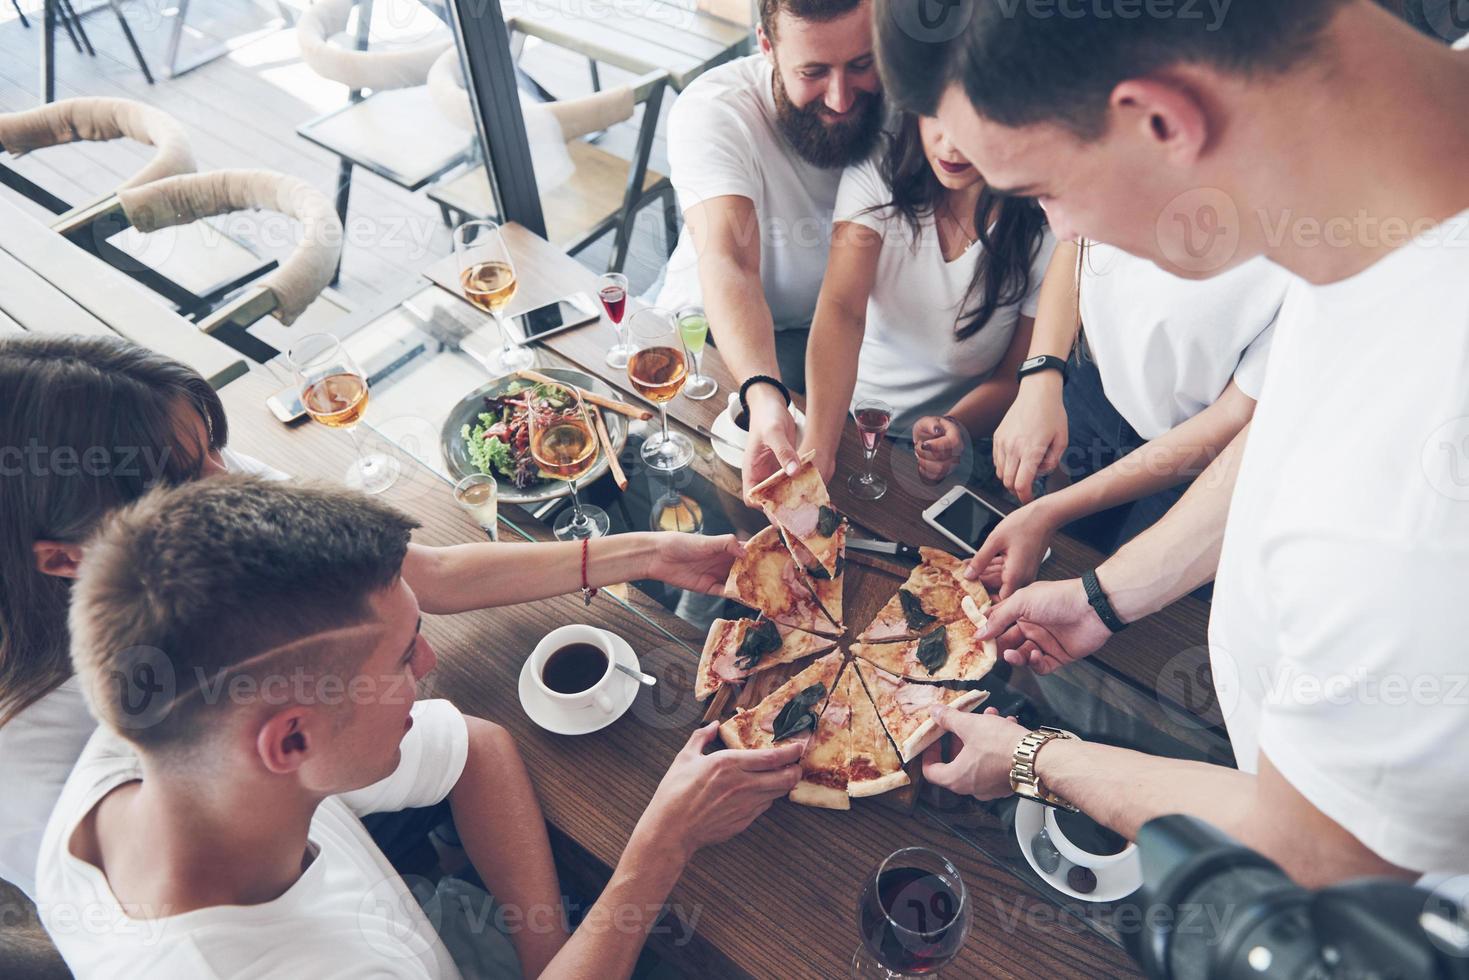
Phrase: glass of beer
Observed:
(564, 445)
(334, 393)
(479, 495)
(487, 276)
(693, 325)
(658, 368)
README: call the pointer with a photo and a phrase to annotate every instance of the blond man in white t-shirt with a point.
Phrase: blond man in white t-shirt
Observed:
(756, 150)
(1329, 137)
(252, 653)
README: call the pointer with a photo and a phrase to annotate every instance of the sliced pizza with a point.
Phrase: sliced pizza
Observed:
(873, 766)
(945, 653)
(824, 764)
(799, 504)
(933, 595)
(904, 705)
(826, 586)
(789, 710)
(737, 648)
(767, 578)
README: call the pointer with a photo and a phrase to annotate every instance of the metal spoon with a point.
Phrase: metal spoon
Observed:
(647, 680)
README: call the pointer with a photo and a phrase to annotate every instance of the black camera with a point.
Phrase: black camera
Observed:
(1216, 910)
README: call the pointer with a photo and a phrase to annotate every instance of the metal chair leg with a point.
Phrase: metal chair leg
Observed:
(344, 196)
(73, 26)
(127, 32)
(636, 171)
(21, 14)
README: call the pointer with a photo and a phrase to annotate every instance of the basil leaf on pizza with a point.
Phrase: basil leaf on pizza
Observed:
(827, 521)
(759, 640)
(797, 716)
(913, 611)
(933, 650)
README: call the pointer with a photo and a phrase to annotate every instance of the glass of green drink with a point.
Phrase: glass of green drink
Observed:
(693, 326)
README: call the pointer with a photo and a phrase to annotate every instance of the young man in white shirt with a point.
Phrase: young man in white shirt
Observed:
(252, 653)
(757, 148)
(1329, 137)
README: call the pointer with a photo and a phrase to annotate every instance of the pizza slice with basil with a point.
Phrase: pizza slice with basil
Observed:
(799, 504)
(824, 764)
(903, 706)
(768, 579)
(873, 766)
(945, 653)
(737, 648)
(826, 586)
(789, 710)
(933, 595)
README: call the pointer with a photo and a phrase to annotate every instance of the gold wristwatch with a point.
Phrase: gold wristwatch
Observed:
(1023, 779)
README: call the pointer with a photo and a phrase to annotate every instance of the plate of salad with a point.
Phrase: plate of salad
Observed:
(488, 432)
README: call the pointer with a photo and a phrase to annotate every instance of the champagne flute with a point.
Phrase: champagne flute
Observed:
(657, 370)
(564, 444)
(479, 495)
(334, 393)
(612, 291)
(873, 416)
(693, 326)
(487, 276)
(913, 916)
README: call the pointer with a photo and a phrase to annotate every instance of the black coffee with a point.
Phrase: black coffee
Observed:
(574, 668)
(1088, 835)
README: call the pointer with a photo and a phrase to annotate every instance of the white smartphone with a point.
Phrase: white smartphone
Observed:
(962, 517)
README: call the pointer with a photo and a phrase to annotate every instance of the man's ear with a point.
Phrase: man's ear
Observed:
(1167, 113)
(59, 558)
(286, 740)
(766, 48)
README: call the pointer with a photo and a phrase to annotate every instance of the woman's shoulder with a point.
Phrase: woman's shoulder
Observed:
(865, 196)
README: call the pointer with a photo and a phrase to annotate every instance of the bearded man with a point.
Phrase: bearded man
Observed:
(757, 148)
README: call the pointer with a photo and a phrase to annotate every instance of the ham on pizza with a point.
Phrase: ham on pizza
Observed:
(737, 648)
(789, 710)
(767, 578)
(799, 504)
(933, 595)
(945, 653)
(903, 706)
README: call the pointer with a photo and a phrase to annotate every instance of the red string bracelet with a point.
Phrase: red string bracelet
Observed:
(587, 592)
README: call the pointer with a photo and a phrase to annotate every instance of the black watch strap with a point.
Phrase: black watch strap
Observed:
(1042, 362)
(1099, 602)
(762, 379)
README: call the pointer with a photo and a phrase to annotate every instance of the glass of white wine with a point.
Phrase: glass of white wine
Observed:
(487, 276)
(334, 393)
(564, 445)
(479, 495)
(658, 369)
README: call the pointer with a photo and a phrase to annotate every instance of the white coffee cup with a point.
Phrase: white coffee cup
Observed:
(599, 694)
(1075, 854)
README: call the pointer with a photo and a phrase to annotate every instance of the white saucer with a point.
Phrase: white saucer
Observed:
(589, 718)
(730, 445)
(1113, 882)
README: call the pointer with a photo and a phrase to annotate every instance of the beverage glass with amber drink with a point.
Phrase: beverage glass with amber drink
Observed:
(658, 369)
(487, 276)
(334, 393)
(564, 445)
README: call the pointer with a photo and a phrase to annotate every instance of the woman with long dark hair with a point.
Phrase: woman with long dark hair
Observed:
(929, 297)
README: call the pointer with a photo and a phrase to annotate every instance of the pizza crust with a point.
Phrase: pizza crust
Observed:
(929, 732)
(826, 797)
(878, 786)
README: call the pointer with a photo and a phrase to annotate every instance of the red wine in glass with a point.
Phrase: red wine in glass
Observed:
(872, 425)
(911, 919)
(612, 291)
(614, 301)
(873, 417)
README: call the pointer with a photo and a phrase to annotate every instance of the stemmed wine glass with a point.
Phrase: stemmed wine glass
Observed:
(693, 325)
(334, 393)
(564, 445)
(657, 369)
(487, 276)
(913, 916)
(612, 291)
(873, 416)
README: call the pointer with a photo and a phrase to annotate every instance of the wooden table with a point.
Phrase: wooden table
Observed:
(780, 899)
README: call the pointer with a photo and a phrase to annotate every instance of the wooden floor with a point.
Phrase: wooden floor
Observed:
(242, 111)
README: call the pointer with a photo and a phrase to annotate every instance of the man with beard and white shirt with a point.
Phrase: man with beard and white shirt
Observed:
(757, 148)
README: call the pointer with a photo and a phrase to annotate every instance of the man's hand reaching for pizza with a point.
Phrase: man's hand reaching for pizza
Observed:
(707, 799)
(1046, 626)
(986, 750)
(772, 442)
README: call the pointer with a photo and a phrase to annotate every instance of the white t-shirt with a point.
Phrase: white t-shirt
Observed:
(723, 139)
(348, 915)
(1339, 624)
(1167, 347)
(39, 746)
(909, 356)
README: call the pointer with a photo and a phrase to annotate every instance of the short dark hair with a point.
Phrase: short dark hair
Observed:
(817, 10)
(1020, 67)
(198, 579)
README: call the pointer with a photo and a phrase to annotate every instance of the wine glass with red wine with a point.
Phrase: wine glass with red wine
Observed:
(612, 291)
(913, 915)
(658, 368)
(873, 416)
(334, 393)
